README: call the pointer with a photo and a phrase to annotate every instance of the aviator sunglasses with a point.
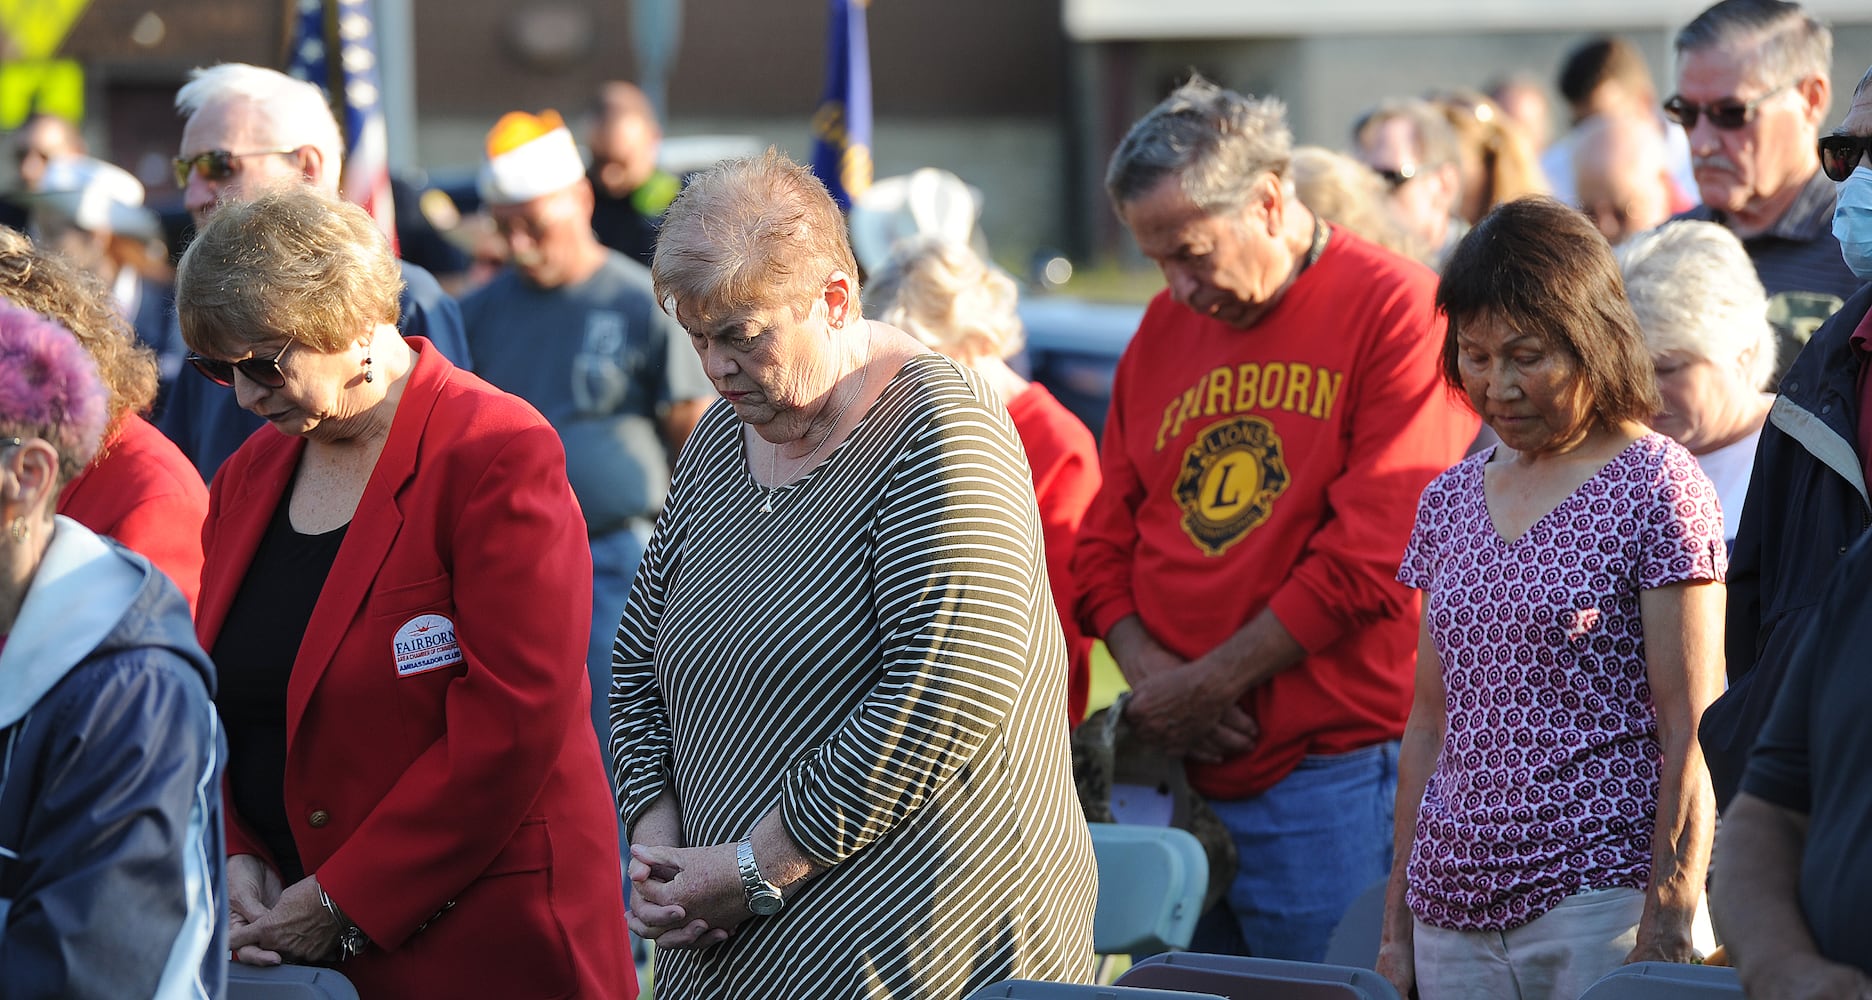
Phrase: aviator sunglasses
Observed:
(1727, 114)
(216, 164)
(260, 371)
(1840, 154)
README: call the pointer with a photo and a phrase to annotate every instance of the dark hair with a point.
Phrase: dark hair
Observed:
(1599, 61)
(1543, 268)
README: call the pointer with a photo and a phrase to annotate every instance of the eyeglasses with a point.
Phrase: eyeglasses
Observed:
(216, 164)
(1840, 154)
(1727, 114)
(1395, 179)
(260, 371)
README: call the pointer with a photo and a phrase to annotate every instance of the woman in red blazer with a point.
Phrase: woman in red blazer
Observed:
(396, 589)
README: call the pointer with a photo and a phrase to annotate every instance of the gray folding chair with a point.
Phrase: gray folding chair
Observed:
(1666, 981)
(1151, 885)
(1355, 939)
(1238, 978)
(1028, 989)
(287, 982)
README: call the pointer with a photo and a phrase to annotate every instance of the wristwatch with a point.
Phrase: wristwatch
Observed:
(351, 939)
(763, 897)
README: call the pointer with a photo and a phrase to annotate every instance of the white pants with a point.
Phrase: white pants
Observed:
(1556, 956)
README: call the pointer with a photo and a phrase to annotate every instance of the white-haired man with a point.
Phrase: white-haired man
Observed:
(250, 129)
(1271, 426)
(1754, 79)
(572, 327)
(1807, 501)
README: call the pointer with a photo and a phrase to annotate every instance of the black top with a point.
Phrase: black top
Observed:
(254, 654)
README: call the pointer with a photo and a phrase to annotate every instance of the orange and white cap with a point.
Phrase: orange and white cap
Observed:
(528, 156)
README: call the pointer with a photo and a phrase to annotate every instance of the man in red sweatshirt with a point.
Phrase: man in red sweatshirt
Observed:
(1272, 425)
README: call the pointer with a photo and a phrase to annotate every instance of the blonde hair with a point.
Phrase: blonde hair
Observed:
(1351, 195)
(1508, 167)
(942, 293)
(750, 232)
(291, 263)
(77, 300)
(1696, 292)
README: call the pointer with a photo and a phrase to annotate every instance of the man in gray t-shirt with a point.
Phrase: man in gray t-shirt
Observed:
(573, 328)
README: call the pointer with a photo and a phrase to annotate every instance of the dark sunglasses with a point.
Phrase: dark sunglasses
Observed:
(1727, 114)
(1395, 179)
(216, 164)
(260, 371)
(1840, 154)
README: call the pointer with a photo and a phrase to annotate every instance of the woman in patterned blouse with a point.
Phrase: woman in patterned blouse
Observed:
(1554, 813)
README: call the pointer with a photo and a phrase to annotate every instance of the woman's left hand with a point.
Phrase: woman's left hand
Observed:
(1663, 939)
(700, 886)
(298, 927)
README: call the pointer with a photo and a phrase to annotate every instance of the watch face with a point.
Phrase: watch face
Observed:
(764, 903)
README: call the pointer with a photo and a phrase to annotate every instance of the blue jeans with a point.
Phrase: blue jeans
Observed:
(1309, 846)
(614, 564)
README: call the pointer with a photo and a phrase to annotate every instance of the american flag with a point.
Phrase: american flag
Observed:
(320, 29)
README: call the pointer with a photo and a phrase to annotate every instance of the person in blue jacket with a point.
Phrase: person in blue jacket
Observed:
(111, 862)
(250, 129)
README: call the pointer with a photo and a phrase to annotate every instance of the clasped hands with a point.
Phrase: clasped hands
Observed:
(1175, 706)
(268, 925)
(686, 897)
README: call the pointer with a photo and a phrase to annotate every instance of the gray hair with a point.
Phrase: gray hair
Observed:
(1435, 136)
(296, 112)
(943, 294)
(1216, 142)
(1790, 43)
(1695, 291)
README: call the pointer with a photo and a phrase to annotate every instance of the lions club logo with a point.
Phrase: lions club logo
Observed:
(1230, 480)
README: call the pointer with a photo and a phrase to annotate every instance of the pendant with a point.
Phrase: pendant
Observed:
(766, 506)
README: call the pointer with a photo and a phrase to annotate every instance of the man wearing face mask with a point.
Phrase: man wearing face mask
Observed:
(1807, 501)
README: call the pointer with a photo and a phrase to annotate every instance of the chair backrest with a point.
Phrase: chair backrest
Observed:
(1238, 978)
(1151, 884)
(1355, 940)
(287, 982)
(1027, 989)
(1666, 981)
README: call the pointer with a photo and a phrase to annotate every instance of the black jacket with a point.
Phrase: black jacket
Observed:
(1807, 504)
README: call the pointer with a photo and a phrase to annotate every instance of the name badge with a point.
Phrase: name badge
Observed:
(425, 643)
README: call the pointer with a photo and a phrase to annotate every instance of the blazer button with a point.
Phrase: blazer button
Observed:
(318, 818)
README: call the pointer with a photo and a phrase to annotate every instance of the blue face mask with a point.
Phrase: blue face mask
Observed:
(1852, 222)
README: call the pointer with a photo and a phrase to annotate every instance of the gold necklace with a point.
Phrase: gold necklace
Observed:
(773, 457)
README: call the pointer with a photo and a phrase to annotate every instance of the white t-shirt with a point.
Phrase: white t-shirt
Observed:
(1728, 467)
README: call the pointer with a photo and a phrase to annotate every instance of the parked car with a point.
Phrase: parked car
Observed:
(1073, 346)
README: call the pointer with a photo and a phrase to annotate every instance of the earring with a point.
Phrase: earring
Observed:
(369, 376)
(18, 529)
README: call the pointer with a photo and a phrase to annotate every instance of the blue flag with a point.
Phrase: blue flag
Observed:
(334, 46)
(842, 125)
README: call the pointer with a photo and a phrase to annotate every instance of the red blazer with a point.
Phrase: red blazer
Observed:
(438, 743)
(146, 494)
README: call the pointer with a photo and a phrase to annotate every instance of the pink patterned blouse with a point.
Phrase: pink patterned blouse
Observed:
(1547, 784)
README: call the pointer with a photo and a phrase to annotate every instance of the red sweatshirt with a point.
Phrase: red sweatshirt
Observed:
(1279, 467)
(1065, 464)
(147, 495)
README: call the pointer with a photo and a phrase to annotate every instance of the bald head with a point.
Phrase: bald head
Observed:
(1620, 174)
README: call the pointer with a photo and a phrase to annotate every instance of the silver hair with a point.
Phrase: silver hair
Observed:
(943, 294)
(1435, 137)
(295, 111)
(1789, 42)
(1217, 143)
(1695, 292)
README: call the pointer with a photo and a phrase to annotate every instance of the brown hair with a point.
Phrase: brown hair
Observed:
(1542, 268)
(750, 232)
(291, 263)
(53, 287)
(1495, 153)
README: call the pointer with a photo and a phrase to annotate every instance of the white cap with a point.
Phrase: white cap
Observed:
(528, 157)
(925, 202)
(97, 196)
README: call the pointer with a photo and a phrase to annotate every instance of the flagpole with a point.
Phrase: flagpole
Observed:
(396, 73)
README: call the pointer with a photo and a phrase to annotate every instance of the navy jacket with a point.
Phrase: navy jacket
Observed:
(1807, 504)
(112, 877)
(208, 425)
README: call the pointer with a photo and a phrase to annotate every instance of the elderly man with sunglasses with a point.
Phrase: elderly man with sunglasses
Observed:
(250, 130)
(1807, 505)
(1753, 85)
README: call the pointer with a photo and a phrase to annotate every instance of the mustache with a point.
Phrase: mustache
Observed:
(1713, 162)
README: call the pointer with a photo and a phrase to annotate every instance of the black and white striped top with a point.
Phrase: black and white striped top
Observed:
(881, 656)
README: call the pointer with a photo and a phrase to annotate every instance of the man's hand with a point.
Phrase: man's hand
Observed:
(1138, 654)
(297, 928)
(1179, 712)
(253, 889)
